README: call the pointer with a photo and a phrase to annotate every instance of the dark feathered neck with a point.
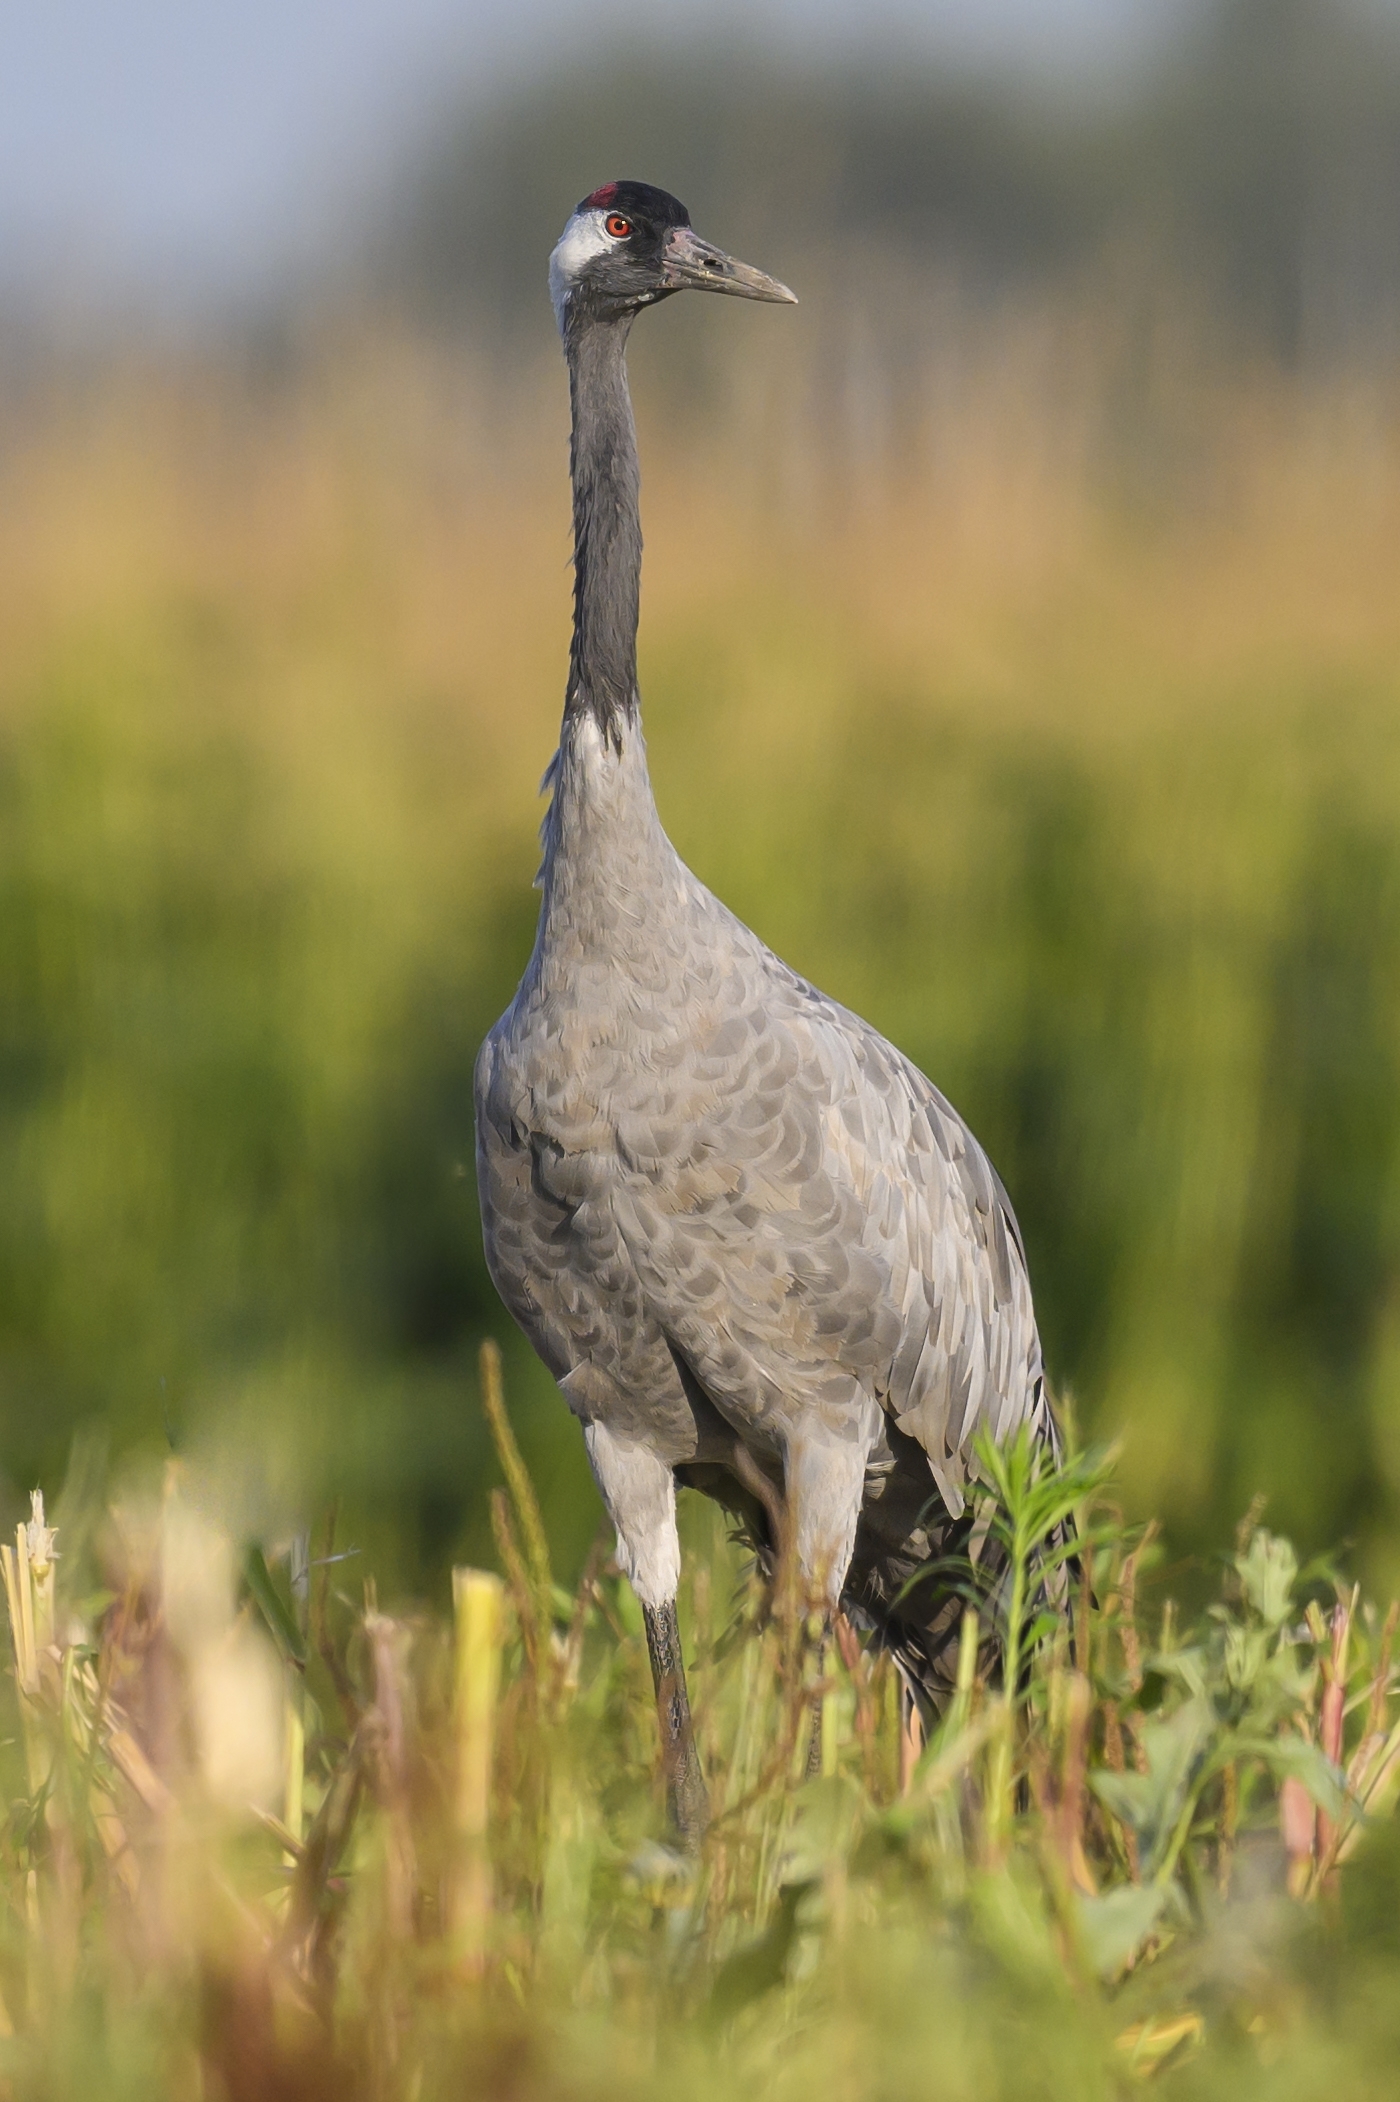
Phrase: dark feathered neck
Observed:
(607, 528)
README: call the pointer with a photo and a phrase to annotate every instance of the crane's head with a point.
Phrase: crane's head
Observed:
(629, 245)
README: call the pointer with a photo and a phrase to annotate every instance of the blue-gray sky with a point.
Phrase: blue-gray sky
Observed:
(191, 145)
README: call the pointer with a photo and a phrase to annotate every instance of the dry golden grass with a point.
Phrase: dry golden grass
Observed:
(266, 1840)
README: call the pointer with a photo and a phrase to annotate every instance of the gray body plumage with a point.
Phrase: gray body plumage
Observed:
(749, 1239)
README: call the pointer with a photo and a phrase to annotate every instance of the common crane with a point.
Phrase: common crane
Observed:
(757, 1249)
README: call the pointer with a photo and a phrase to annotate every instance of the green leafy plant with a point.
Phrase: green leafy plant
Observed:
(464, 1864)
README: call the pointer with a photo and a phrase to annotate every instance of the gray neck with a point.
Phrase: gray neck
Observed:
(607, 528)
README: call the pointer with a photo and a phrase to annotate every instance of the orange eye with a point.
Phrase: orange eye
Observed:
(617, 226)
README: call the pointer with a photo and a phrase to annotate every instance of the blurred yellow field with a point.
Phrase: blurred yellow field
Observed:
(1076, 767)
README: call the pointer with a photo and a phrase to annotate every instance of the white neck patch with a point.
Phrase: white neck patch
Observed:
(582, 239)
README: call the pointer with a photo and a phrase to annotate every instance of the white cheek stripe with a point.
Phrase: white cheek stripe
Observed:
(583, 239)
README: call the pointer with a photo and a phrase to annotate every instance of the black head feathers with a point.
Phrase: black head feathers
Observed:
(637, 200)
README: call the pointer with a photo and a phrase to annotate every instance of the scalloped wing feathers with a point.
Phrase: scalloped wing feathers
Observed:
(691, 1161)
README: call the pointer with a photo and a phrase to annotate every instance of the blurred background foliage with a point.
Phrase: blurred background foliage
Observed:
(1021, 656)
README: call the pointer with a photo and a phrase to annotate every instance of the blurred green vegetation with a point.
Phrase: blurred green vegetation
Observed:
(1092, 807)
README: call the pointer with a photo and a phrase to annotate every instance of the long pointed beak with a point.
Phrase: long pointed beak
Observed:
(691, 264)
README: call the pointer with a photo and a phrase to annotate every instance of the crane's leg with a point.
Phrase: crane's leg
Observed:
(686, 1795)
(816, 1742)
(639, 1490)
(825, 1477)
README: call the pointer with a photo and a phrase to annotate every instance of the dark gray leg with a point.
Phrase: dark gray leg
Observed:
(814, 1741)
(686, 1797)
